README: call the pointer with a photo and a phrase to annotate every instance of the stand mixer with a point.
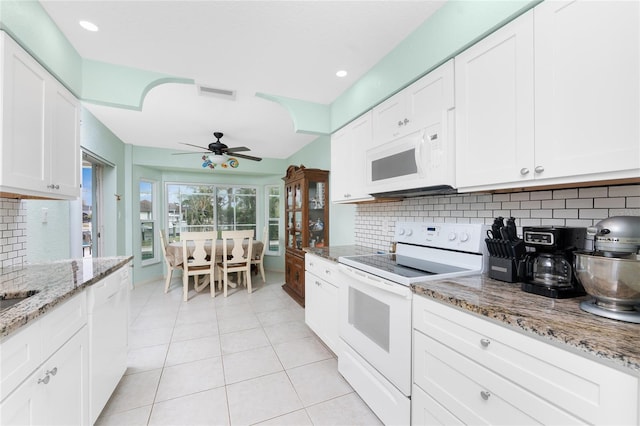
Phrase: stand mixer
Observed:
(611, 273)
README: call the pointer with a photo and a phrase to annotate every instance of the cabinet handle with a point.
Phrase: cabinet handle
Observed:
(318, 283)
(400, 123)
(310, 263)
(53, 372)
(406, 121)
(485, 395)
(539, 169)
(327, 272)
(485, 342)
(524, 171)
(45, 380)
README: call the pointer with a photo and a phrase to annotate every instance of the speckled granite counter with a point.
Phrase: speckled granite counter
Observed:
(559, 321)
(52, 283)
(334, 252)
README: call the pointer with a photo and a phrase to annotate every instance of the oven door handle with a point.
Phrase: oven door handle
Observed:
(379, 283)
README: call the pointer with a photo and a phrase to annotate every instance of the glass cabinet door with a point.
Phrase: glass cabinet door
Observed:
(317, 200)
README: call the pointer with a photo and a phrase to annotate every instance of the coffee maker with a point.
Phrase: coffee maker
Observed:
(547, 268)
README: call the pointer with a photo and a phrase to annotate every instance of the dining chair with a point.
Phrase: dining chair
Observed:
(259, 258)
(235, 260)
(168, 259)
(197, 261)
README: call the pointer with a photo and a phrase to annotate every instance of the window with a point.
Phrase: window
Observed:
(147, 220)
(273, 219)
(209, 207)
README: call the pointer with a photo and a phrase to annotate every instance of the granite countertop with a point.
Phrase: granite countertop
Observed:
(49, 284)
(558, 321)
(334, 252)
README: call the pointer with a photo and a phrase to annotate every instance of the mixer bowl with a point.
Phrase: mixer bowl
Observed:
(614, 282)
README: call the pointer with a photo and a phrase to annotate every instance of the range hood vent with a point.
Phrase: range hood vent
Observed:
(217, 93)
(417, 192)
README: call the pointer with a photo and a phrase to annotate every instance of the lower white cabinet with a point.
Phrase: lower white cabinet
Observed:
(45, 371)
(321, 299)
(469, 370)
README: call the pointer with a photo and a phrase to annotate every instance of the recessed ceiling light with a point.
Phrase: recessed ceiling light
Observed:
(341, 73)
(89, 26)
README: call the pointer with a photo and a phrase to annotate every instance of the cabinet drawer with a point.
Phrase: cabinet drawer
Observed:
(428, 412)
(476, 394)
(20, 354)
(63, 322)
(322, 268)
(587, 389)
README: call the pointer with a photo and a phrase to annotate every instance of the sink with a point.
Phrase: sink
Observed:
(8, 300)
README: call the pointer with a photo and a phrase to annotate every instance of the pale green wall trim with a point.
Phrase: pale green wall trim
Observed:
(28, 24)
(308, 117)
(119, 86)
(454, 27)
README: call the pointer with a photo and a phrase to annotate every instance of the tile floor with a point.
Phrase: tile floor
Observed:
(247, 359)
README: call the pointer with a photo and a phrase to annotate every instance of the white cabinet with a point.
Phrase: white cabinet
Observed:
(48, 386)
(494, 107)
(547, 100)
(321, 299)
(420, 105)
(479, 372)
(40, 129)
(348, 146)
(587, 83)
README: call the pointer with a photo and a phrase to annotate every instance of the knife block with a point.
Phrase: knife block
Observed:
(504, 256)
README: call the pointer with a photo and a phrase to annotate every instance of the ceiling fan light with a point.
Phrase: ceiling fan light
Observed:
(217, 159)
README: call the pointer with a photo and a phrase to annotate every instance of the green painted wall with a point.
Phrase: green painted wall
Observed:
(44, 242)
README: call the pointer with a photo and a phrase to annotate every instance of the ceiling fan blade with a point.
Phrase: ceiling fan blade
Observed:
(183, 153)
(238, 149)
(247, 157)
(196, 146)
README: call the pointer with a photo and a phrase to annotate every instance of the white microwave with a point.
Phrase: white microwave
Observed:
(420, 163)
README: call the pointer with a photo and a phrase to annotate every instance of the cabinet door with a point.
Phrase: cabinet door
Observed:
(294, 274)
(389, 118)
(429, 98)
(494, 107)
(65, 141)
(321, 309)
(348, 147)
(25, 150)
(587, 87)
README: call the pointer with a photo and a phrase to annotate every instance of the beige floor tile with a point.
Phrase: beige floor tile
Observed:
(299, 352)
(139, 338)
(233, 311)
(191, 377)
(280, 316)
(250, 364)
(193, 350)
(261, 399)
(147, 358)
(135, 417)
(194, 331)
(133, 391)
(345, 410)
(238, 323)
(191, 316)
(297, 418)
(286, 331)
(203, 408)
(243, 340)
(318, 382)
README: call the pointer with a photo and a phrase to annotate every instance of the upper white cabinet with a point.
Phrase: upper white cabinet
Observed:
(494, 107)
(587, 79)
(549, 100)
(416, 107)
(40, 129)
(348, 146)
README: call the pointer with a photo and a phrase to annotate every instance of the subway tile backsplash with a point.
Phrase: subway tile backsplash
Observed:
(375, 222)
(13, 232)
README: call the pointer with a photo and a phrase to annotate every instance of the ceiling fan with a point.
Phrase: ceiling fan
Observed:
(221, 153)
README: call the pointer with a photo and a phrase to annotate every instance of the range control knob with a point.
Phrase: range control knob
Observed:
(464, 237)
(401, 231)
(409, 232)
(452, 236)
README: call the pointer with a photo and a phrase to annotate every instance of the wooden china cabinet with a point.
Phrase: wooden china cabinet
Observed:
(307, 222)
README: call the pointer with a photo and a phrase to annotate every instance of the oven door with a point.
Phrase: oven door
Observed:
(375, 321)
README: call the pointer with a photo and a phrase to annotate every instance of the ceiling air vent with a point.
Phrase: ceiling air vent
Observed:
(217, 93)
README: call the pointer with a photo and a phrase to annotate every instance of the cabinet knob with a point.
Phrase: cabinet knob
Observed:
(485, 342)
(318, 283)
(539, 169)
(405, 121)
(485, 395)
(53, 372)
(400, 123)
(327, 272)
(44, 380)
(524, 171)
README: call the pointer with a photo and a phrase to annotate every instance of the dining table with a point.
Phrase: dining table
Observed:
(176, 258)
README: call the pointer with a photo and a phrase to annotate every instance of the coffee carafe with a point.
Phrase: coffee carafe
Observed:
(547, 267)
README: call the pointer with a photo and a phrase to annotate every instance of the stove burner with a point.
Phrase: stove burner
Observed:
(593, 307)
